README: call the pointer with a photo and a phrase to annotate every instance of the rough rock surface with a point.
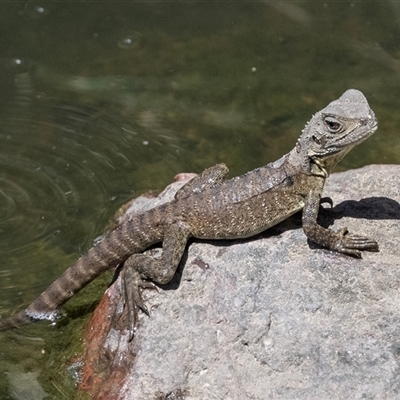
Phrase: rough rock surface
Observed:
(273, 317)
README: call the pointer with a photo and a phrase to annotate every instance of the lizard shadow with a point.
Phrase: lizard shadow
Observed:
(367, 208)
(372, 208)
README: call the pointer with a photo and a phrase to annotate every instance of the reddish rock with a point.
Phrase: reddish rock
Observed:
(108, 355)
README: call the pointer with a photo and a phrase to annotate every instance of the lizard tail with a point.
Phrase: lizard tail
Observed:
(15, 321)
(131, 237)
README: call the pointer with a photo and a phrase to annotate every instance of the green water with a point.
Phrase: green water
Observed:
(100, 101)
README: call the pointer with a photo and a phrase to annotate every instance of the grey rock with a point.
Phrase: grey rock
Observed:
(276, 317)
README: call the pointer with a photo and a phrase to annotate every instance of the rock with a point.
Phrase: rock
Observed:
(269, 317)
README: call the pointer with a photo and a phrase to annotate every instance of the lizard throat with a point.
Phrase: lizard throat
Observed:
(318, 168)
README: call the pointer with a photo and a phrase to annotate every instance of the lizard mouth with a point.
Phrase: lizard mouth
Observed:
(374, 127)
(352, 138)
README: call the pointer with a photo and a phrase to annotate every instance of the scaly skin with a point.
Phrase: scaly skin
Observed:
(209, 207)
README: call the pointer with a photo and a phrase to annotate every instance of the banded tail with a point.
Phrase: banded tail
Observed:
(131, 237)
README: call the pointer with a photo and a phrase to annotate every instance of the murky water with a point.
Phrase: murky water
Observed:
(100, 101)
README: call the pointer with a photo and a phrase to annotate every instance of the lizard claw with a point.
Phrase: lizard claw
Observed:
(351, 244)
(133, 282)
(137, 297)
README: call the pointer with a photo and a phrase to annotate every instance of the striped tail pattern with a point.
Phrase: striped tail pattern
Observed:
(132, 236)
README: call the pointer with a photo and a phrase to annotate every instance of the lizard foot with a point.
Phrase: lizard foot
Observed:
(132, 283)
(351, 244)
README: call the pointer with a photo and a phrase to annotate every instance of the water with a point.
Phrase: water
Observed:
(101, 101)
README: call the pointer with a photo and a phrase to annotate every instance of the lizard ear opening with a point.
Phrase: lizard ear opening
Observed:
(333, 125)
(316, 140)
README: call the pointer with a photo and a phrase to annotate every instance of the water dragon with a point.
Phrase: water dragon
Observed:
(212, 207)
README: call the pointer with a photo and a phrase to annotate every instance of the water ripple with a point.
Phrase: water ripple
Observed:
(37, 187)
(61, 164)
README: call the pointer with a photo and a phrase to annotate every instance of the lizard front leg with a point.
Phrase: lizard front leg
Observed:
(209, 177)
(341, 241)
(140, 267)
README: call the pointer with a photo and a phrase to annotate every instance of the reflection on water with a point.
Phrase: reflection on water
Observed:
(24, 384)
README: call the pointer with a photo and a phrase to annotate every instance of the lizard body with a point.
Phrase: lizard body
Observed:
(209, 207)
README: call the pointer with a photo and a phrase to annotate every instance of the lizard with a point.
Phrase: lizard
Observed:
(212, 207)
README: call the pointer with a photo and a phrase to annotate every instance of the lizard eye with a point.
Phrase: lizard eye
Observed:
(332, 124)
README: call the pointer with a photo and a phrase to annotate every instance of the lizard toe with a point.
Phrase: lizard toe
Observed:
(132, 283)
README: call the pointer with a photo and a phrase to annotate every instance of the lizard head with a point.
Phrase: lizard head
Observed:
(336, 129)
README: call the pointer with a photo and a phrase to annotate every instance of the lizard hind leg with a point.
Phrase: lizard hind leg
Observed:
(138, 268)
